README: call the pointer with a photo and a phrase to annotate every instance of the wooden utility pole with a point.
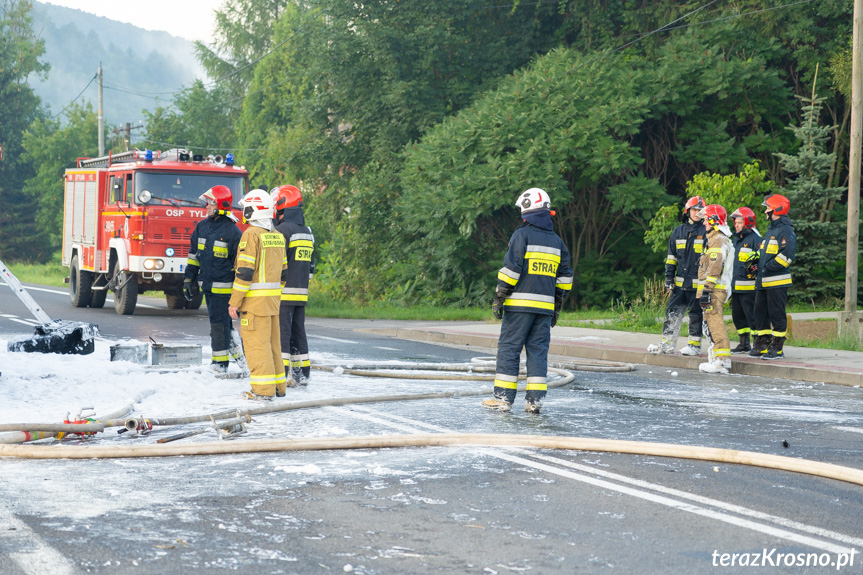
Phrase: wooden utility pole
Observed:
(101, 118)
(851, 322)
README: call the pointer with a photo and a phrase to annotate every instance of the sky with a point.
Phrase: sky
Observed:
(189, 19)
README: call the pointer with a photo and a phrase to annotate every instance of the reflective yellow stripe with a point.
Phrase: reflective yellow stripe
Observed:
(529, 303)
(301, 243)
(779, 333)
(220, 290)
(739, 287)
(743, 330)
(537, 387)
(542, 256)
(721, 352)
(294, 297)
(505, 384)
(264, 292)
(779, 282)
(220, 252)
(670, 262)
(714, 250)
(249, 259)
(506, 279)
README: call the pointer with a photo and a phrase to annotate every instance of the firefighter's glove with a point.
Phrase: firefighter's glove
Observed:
(190, 289)
(497, 307)
(558, 305)
(669, 285)
(752, 270)
(704, 300)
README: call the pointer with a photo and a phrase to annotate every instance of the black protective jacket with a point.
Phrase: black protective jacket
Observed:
(746, 243)
(536, 269)
(778, 248)
(685, 247)
(212, 251)
(300, 248)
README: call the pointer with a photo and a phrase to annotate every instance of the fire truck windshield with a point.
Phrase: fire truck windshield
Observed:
(184, 188)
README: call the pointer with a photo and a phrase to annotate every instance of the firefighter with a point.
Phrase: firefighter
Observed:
(532, 285)
(685, 247)
(210, 267)
(300, 246)
(261, 270)
(715, 268)
(776, 254)
(746, 240)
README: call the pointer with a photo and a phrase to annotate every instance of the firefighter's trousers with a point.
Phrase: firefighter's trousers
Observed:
(743, 311)
(262, 345)
(716, 325)
(532, 332)
(220, 326)
(295, 344)
(680, 303)
(770, 312)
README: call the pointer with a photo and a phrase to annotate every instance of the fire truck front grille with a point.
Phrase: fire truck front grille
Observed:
(180, 236)
(158, 236)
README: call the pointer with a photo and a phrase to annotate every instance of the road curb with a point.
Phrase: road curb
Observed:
(743, 365)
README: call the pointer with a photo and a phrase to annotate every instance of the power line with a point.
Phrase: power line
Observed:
(76, 98)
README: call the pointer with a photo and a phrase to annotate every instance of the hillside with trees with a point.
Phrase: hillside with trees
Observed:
(134, 62)
(412, 126)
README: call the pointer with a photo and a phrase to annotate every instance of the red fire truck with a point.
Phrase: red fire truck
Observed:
(128, 219)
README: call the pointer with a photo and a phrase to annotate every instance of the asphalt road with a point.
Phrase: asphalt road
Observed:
(447, 509)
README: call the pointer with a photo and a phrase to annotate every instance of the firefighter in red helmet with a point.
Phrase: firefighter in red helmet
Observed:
(685, 247)
(778, 248)
(746, 240)
(300, 248)
(210, 268)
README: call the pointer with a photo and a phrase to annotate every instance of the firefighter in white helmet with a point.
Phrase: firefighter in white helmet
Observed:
(532, 285)
(261, 271)
(715, 269)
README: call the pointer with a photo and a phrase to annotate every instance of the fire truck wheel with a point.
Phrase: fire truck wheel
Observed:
(175, 299)
(196, 301)
(125, 299)
(80, 282)
(97, 299)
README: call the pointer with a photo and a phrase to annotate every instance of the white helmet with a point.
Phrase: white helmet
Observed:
(533, 199)
(257, 205)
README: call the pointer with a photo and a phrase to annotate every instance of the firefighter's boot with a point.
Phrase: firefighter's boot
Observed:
(251, 395)
(759, 345)
(690, 349)
(775, 349)
(743, 345)
(497, 404)
(533, 405)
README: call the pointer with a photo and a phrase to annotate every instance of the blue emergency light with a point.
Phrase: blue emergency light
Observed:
(229, 160)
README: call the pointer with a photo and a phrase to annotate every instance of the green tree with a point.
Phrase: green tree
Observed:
(819, 266)
(746, 189)
(20, 50)
(201, 120)
(51, 147)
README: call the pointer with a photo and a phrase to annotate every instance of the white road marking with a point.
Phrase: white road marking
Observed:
(29, 322)
(39, 558)
(387, 348)
(335, 339)
(851, 429)
(64, 292)
(680, 505)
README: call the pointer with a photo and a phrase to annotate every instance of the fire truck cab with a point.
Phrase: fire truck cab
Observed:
(128, 219)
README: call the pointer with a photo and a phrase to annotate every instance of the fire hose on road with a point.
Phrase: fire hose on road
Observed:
(476, 369)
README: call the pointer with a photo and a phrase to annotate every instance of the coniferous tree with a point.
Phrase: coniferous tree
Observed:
(819, 266)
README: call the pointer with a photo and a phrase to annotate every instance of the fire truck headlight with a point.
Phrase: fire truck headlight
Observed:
(157, 277)
(151, 264)
(144, 196)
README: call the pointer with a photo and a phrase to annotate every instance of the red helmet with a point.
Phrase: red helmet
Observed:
(286, 197)
(693, 202)
(779, 205)
(220, 195)
(714, 215)
(747, 215)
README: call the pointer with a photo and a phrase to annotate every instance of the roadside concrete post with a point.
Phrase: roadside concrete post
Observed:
(851, 325)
